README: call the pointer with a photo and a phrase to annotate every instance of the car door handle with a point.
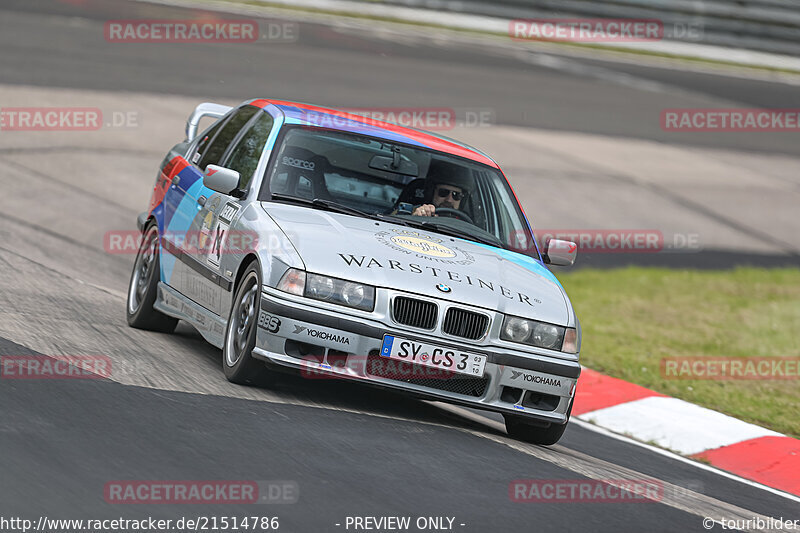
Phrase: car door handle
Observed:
(202, 201)
(176, 180)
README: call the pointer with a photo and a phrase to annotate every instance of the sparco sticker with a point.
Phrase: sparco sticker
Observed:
(299, 163)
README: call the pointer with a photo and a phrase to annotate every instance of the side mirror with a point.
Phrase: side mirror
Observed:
(560, 253)
(221, 179)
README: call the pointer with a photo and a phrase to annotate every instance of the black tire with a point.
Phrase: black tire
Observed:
(521, 429)
(143, 287)
(240, 333)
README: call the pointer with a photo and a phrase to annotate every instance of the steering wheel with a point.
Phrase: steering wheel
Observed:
(454, 213)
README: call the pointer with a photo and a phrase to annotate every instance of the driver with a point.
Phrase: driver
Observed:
(447, 186)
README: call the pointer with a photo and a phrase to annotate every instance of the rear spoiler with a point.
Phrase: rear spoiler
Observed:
(206, 109)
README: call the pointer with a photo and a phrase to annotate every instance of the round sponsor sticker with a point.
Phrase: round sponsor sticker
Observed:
(422, 246)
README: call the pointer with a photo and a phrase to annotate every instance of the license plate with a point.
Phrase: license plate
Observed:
(471, 364)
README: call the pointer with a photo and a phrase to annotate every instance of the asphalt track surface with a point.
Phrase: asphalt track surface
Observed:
(351, 69)
(167, 413)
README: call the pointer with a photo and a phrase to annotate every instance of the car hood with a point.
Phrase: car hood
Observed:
(422, 262)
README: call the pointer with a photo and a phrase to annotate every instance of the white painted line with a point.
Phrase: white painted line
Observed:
(496, 425)
(682, 459)
(675, 424)
(677, 497)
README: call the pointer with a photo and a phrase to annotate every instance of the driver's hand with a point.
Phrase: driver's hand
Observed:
(425, 210)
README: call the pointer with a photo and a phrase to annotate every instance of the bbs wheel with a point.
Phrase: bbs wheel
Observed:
(240, 334)
(143, 287)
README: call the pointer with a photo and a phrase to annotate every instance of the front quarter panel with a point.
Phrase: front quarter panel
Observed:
(261, 238)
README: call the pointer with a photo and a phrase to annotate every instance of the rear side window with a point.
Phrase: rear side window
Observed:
(202, 146)
(245, 155)
(219, 143)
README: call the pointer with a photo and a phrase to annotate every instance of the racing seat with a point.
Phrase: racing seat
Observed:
(413, 193)
(300, 172)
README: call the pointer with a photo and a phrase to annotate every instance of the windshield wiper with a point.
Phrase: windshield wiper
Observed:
(441, 228)
(454, 232)
(325, 204)
(420, 224)
(396, 220)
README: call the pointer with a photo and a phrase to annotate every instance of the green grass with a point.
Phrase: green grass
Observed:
(634, 317)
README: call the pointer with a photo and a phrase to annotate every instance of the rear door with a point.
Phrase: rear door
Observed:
(177, 215)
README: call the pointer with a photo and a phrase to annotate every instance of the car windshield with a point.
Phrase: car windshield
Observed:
(357, 174)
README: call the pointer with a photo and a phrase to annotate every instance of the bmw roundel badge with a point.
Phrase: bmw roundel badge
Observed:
(444, 288)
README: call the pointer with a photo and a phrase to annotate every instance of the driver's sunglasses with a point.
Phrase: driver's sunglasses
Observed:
(444, 193)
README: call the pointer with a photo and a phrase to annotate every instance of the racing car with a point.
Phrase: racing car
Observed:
(294, 236)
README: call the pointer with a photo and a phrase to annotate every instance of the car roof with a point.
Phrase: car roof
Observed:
(312, 115)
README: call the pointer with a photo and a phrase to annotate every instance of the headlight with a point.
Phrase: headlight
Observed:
(320, 287)
(327, 289)
(516, 329)
(547, 336)
(354, 294)
(539, 334)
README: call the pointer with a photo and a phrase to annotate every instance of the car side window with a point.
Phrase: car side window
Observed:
(220, 142)
(208, 136)
(245, 155)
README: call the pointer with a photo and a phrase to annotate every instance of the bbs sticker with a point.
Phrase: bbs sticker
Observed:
(269, 322)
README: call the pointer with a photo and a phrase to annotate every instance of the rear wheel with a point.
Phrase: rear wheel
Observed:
(143, 287)
(240, 335)
(521, 429)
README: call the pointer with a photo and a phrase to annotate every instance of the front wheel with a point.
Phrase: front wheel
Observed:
(240, 335)
(143, 287)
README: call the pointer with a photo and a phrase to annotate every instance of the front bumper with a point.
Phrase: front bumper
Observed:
(322, 343)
